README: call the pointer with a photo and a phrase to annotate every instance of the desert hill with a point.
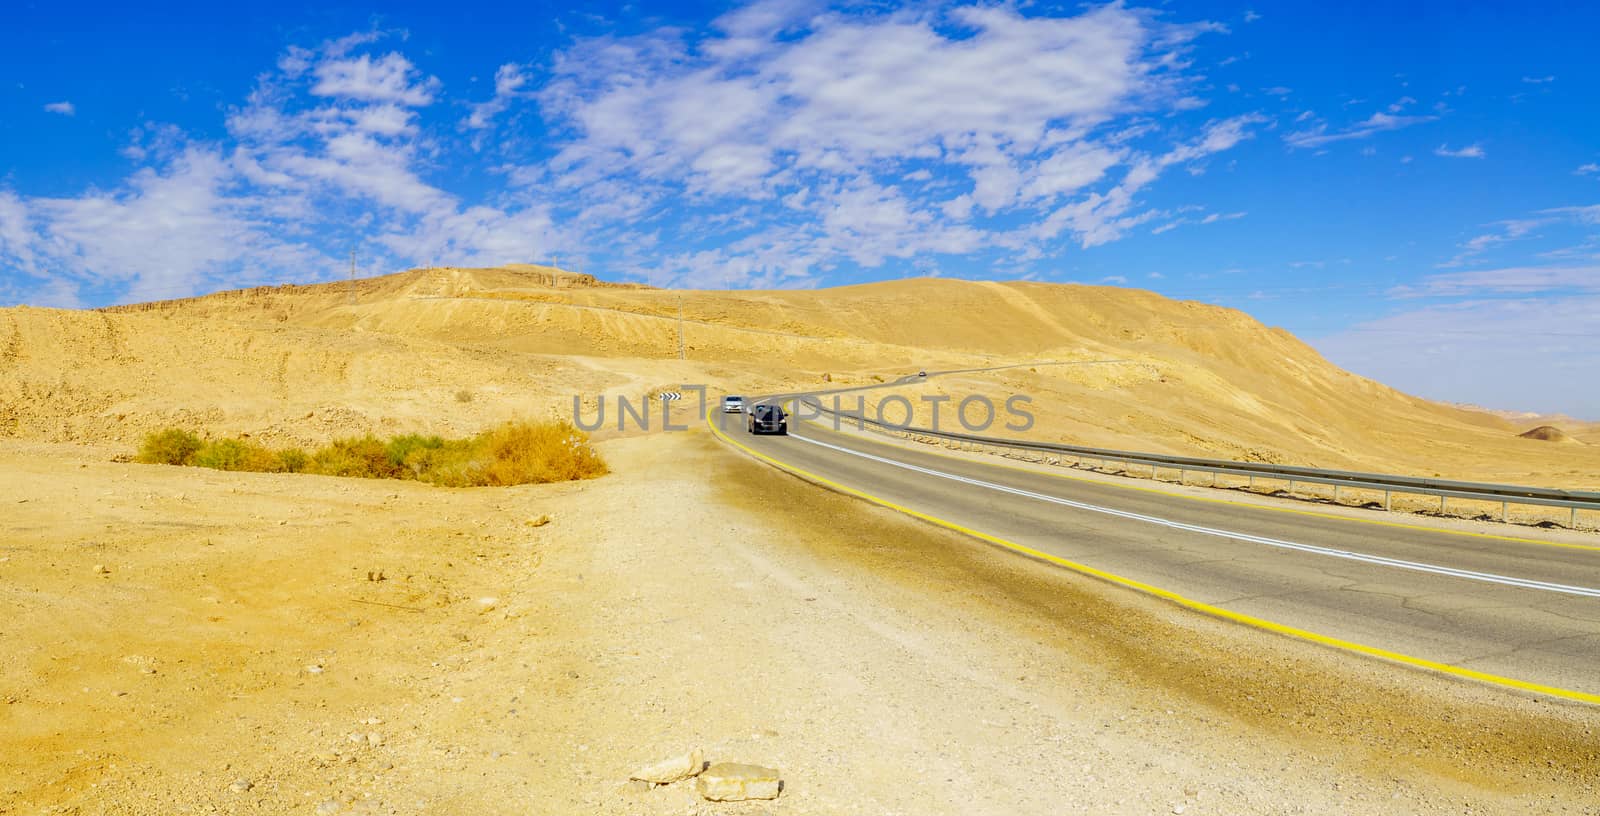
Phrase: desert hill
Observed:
(451, 350)
(1547, 433)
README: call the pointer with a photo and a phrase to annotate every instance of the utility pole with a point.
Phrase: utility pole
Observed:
(351, 288)
(681, 355)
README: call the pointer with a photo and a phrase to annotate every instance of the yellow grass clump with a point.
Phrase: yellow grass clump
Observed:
(511, 454)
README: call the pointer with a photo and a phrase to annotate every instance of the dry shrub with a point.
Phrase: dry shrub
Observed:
(537, 452)
(235, 454)
(169, 447)
(292, 460)
(463, 395)
(364, 457)
(514, 453)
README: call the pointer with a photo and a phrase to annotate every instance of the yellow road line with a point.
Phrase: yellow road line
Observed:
(1199, 606)
(1295, 511)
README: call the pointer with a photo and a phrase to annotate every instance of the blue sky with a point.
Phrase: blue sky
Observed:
(1412, 187)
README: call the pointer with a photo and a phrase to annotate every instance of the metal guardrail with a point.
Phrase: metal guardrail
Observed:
(1573, 500)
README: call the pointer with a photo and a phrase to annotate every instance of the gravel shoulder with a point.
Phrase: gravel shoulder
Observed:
(693, 599)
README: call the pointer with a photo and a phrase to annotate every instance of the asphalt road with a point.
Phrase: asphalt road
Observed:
(1524, 611)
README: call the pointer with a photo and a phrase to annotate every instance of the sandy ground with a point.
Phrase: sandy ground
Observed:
(235, 656)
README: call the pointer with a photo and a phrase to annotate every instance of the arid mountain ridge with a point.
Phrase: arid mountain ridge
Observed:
(450, 350)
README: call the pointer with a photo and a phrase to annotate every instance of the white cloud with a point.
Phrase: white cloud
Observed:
(1510, 280)
(1376, 123)
(1590, 169)
(1017, 110)
(1277, 90)
(167, 233)
(390, 78)
(1538, 80)
(509, 81)
(1540, 350)
(783, 142)
(1515, 229)
(63, 108)
(327, 148)
(855, 91)
(1472, 151)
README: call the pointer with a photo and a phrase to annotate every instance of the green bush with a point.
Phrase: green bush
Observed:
(411, 452)
(169, 447)
(292, 460)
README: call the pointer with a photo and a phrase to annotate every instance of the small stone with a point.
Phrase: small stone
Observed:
(102, 569)
(637, 786)
(736, 781)
(328, 808)
(313, 669)
(1178, 809)
(487, 603)
(241, 785)
(374, 739)
(671, 770)
(540, 521)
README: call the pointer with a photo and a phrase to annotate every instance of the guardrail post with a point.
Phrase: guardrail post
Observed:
(1335, 494)
(1503, 510)
(1291, 487)
(1574, 524)
(1441, 505)
(1252, 482)
(1386, 500)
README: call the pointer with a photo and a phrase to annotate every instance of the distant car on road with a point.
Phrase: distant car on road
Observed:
(922, 373)
(732, 405)
(765, 418)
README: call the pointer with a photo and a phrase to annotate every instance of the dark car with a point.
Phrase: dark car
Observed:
(765, 418)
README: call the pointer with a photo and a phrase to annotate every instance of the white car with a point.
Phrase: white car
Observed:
(733, 405)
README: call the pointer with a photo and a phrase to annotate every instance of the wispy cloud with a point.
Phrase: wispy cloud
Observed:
(1540, 349)
(63, 108)
(1538, 80)
(1472, 151)
(509, 82)
(1590, 169)
(1510, 280)
(1380, 122)
(1517, 229)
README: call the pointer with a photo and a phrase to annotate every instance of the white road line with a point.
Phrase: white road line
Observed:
(1492, 578)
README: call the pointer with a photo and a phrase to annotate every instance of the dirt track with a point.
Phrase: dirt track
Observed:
(691, 599)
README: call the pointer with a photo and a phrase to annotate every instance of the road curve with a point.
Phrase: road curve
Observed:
(1515, 613)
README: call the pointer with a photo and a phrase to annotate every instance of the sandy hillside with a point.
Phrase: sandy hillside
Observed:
(451, 350)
